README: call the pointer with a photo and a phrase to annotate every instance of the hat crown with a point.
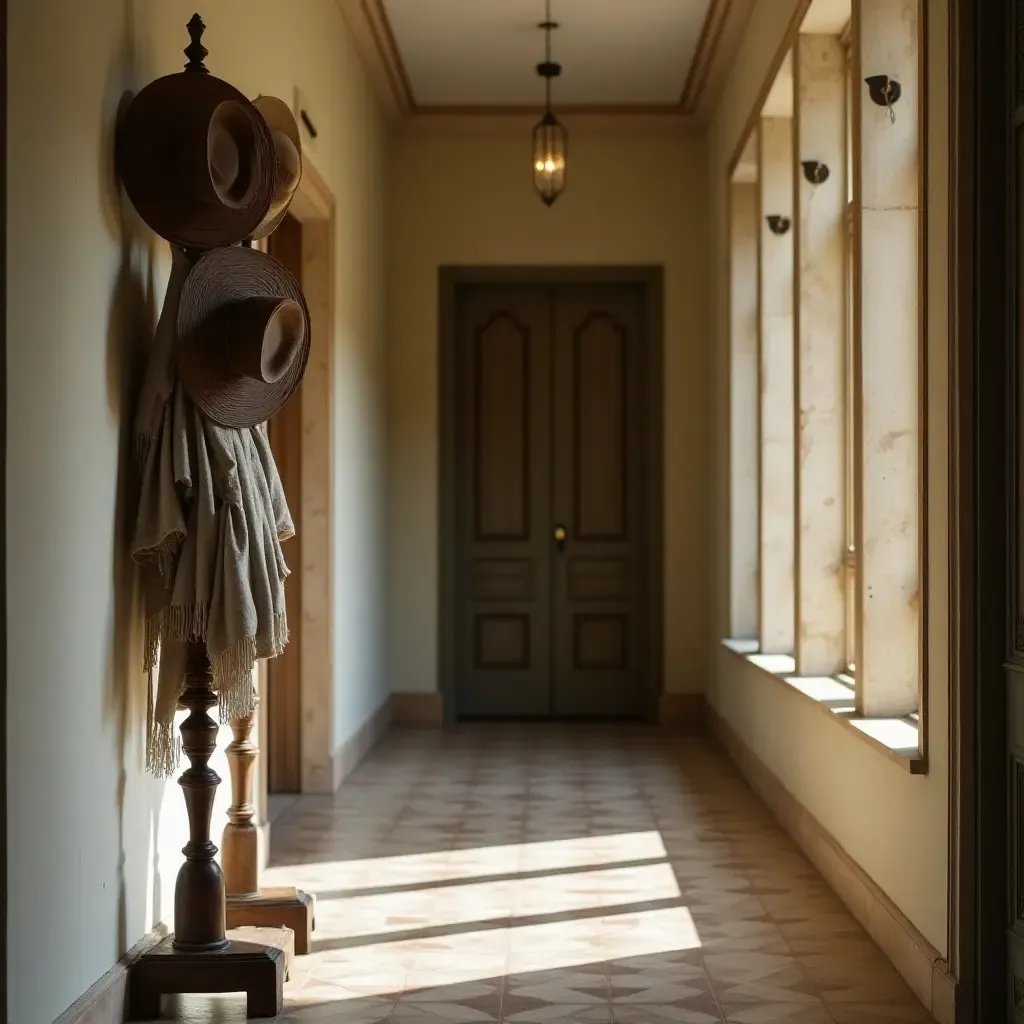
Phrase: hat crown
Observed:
(266, 336)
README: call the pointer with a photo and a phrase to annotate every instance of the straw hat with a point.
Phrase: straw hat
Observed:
(287, 159)
(243, 336)
(197, 160)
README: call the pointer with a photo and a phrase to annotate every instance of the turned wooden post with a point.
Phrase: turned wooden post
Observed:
(200, 957)
(199, 909)
(240, 844)
(247, 903)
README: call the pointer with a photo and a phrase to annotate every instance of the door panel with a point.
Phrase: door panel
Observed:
(548, 385)
(503, 471)
(598, 487)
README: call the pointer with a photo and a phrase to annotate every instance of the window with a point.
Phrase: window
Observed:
(851, 586)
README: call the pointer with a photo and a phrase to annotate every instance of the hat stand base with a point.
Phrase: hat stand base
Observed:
(201, 957)
(247, 903)
(253, 968)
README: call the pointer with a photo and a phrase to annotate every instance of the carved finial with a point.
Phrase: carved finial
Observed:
(195, 51)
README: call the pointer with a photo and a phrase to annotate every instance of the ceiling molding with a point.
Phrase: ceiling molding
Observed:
(378, 49)
(704, 57)
(589, 122)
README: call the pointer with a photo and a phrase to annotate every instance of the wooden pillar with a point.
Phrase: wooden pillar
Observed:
(776, 483)
(887, 308)
(743, 378)
(819, 70)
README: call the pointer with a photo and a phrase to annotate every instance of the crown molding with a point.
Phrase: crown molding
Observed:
(584, 122)
(375, 42)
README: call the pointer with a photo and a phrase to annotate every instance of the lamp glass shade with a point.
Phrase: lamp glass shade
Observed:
(550, 156)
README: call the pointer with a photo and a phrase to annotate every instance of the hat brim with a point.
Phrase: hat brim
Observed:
(149, 158)
(279, 118)
(218, 279)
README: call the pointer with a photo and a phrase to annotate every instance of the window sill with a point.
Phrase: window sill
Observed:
(898, 738)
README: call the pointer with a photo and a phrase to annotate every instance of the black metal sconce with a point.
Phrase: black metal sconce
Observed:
(778, 224)
(884, 91)
(815, 171)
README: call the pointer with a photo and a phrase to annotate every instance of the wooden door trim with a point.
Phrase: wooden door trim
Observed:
(320, 764)
(651, 278)
(284, 680)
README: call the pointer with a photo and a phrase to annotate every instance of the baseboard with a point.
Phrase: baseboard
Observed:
(351, 753)
(104, 1002)
(417, 709)
(912, 954)
(683, 712)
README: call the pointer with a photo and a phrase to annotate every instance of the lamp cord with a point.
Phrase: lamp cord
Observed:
(547, 52)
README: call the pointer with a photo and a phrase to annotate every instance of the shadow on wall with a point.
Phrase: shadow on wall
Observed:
(130, 322)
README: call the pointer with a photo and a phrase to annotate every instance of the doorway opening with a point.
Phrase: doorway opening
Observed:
(551, 484)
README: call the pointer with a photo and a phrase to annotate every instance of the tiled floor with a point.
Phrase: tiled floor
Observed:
(532, 874)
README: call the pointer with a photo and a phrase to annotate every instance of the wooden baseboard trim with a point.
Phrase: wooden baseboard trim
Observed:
(910, 952)
(417, 709)
(682, 712)
(351, 753)
(105, 1002)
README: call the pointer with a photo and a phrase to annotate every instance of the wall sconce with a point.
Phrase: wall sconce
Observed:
(815, 171)
(778, 224)
(884, 91)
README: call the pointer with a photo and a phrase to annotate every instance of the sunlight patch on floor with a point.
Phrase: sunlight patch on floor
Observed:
(479, 902)
(478, 862)
(384, 968)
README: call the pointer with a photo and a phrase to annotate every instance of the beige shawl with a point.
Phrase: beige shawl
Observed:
(211, 516)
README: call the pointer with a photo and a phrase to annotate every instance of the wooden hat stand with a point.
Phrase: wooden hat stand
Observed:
(202, 956)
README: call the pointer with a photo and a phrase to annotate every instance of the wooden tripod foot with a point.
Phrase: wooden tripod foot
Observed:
(285, 907)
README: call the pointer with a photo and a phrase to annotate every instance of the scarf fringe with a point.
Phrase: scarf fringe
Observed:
(232, 676)
(163, 555)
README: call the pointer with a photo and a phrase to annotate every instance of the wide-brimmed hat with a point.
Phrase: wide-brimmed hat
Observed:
(284, 131)
(197, 160)
(243, 336)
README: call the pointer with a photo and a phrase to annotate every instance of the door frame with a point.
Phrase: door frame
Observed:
(313, 206)
(651, 278)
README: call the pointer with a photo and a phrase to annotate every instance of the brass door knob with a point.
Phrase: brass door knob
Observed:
(560, 536)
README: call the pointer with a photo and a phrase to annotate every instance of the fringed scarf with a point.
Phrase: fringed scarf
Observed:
(211, 516)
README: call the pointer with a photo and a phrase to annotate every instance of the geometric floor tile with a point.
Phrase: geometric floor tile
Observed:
(536, 874)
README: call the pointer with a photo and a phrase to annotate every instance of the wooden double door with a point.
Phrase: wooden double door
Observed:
(549, 500)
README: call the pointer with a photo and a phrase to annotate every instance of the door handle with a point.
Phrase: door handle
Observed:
(560, 537)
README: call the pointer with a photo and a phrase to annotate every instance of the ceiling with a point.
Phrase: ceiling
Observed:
(480, 56)
(827, 17)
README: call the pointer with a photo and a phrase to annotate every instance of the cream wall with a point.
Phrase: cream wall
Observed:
(892, 824)
(93, 844)
(636, 195)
